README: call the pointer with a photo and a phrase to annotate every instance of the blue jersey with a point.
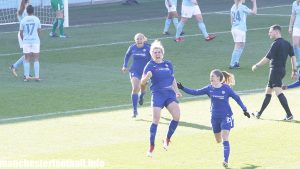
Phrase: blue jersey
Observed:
(239, 16)
(296, 11)
(188, 2)
(30, 25)
(219, 98)
(162, 75)
(140, 56)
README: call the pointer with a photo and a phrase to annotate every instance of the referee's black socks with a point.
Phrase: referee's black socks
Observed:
(265, 103)
(284, 104)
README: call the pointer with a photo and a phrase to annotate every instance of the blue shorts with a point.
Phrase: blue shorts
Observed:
(219, 124)
(163, 98)
(136, 74)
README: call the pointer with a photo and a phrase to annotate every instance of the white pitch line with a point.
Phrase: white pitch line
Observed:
(13, 119)
(151, 19)
(124, 42)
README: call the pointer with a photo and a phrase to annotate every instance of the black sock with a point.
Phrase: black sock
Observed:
(265, 103)
(284, 104)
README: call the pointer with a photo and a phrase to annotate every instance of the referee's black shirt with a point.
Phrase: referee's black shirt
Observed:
(279, 52)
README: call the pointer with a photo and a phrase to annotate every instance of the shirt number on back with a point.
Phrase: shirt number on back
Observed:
(30, 28)
(236, 16)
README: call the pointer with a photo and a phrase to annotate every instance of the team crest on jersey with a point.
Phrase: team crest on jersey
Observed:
(223, 92)
(144, 50)
(166, 65)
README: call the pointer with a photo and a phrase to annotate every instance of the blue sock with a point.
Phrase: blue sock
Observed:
(297, 53)
(172, 127)
(175, 22)
(134, 99)
(18, 62)
(179, 29)
(167, 25)
(202, 28)
(234, 56)
(226, 147)
(153, 129)
(26, 66)
(37, 69)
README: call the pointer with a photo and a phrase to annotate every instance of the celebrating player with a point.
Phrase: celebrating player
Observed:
(239, 14)
(189, 9)
(30, 29)
(139, 51)
(164, 92)
(219, 92)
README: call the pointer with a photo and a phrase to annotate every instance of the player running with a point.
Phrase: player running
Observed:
(140, 53)
(189, 9)
(219, 92)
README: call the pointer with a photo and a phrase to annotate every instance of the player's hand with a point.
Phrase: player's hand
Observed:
(246, 113)
(124, 69)
(284, 87)
(149, 75)
(178, 94)
(179, 85)
(254, 67)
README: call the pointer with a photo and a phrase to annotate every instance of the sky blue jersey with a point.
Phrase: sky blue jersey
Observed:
(173, 2)
(219, 98)
(30, 26)
(20, 17)
(296, 10)
(162, 75)
(239, 17)
(140, 57)
(188, 2)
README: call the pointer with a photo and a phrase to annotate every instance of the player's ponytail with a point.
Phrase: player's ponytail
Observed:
(228, 78)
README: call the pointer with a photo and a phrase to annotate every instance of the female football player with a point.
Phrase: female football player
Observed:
(139, 51)
(294, 28)
(164, 92)
(219, 92)
(239, 14)
(20, 15)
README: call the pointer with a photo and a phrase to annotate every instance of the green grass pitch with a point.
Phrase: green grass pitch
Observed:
(81, 108)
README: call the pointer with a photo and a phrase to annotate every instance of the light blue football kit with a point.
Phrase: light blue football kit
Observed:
(239, 18)
(296, 11)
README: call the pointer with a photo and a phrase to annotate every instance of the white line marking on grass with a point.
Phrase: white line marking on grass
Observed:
(124, 42)
(150, 19)
(69, 112)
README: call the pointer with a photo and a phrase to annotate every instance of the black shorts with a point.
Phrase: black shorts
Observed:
(275, 77)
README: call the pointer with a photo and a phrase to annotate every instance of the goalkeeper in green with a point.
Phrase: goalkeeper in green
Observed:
(58, 8)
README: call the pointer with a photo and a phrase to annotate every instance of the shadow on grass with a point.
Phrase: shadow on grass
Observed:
(250, 166)
(292, 121)
(181, 123)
